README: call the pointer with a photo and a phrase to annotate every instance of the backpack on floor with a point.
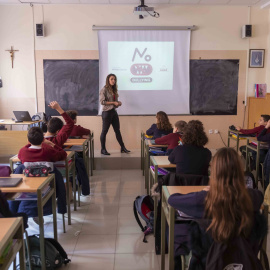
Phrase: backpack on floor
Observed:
(144, 205)
(55, 255)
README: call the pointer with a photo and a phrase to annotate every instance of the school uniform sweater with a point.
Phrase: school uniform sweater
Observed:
(171, 140)
(191, 159)
(45, 153)
(64, 132)
(157, 133)
(79, 131)
(256, 130)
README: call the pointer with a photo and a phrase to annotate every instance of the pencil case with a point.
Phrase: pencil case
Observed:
(36, 171)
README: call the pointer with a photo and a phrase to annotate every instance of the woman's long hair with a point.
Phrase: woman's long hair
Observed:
(228, 203)
(113, 89)
(163, 121)
(194, 134)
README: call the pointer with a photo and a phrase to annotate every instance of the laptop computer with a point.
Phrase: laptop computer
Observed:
(22, 116)
(9, 182)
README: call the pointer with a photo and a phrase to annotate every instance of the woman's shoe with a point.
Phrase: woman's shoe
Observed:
(104, 152)
(124, 150)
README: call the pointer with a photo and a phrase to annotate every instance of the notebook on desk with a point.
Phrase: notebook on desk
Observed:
(9, 182)
(22, 116)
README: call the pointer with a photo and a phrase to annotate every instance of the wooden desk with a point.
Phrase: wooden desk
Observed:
(147, 145)
(168, 213)
(9, 122)
(92, 155)
(142, 151)
(12, 229)
(230, 137)
(85, 149)
(36, 185)
(157, 162)
(69, 166)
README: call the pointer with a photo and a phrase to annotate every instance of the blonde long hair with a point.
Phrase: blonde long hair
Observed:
(228, 203)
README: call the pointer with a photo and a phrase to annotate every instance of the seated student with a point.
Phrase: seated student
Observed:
(227, 203)
(77, 130)
(255, 131)
(162, 127)
(58, 133)
(172, 139)
(192, 157)
(6, 213)
(42, 151)
(264, 136)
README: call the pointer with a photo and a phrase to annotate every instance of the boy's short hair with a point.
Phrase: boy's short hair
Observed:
(265, 117)
(180, 125)
(72, 114)
(35, 136)
(54, 125)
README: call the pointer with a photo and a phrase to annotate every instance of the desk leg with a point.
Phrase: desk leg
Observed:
(171, 237)
(41, 230)
(146, 174)
(22, 250)
(68, 192)
(247, 157)
(155, 199)
(91, 156)
(163, 228)
(54, 213)
(257, 163)
(74, 189)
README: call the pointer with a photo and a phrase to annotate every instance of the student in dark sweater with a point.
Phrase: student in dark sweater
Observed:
(255, 132)
(227, 203)
(162, 127)
(77, 130)
(173, 139)
(192, 157)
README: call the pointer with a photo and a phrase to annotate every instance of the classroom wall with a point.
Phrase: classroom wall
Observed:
(69, 35)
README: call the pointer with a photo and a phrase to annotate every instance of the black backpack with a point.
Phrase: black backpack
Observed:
(55, 255)
(144, 205)
(235, 255)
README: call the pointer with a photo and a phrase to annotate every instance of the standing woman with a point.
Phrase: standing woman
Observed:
(108, 97)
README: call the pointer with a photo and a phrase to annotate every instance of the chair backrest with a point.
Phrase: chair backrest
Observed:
(174, 179)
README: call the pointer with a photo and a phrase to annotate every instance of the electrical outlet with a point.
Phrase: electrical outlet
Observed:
(216, 131)
(210, 131)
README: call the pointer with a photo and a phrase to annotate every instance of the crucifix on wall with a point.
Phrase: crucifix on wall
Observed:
(11, 51)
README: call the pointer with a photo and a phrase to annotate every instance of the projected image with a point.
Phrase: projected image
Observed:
(142, 65)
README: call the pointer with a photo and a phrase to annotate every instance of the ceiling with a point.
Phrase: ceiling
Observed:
(261, 3)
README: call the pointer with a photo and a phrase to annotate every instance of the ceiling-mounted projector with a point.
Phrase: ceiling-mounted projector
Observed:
(142, 10)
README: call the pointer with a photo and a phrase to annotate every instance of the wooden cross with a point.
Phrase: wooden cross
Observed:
(12, 54)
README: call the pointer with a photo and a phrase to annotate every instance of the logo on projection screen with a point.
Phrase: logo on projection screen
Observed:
(141, 69)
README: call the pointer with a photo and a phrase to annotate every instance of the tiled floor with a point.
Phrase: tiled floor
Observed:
(104, 233)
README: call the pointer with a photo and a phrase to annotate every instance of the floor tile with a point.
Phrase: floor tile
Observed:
(95, 244)
(133, 243)
(92, 261)
(126, 212)
(128, 226)
(126, 201)
(99, 226)
(140, 261)
(101, 212)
